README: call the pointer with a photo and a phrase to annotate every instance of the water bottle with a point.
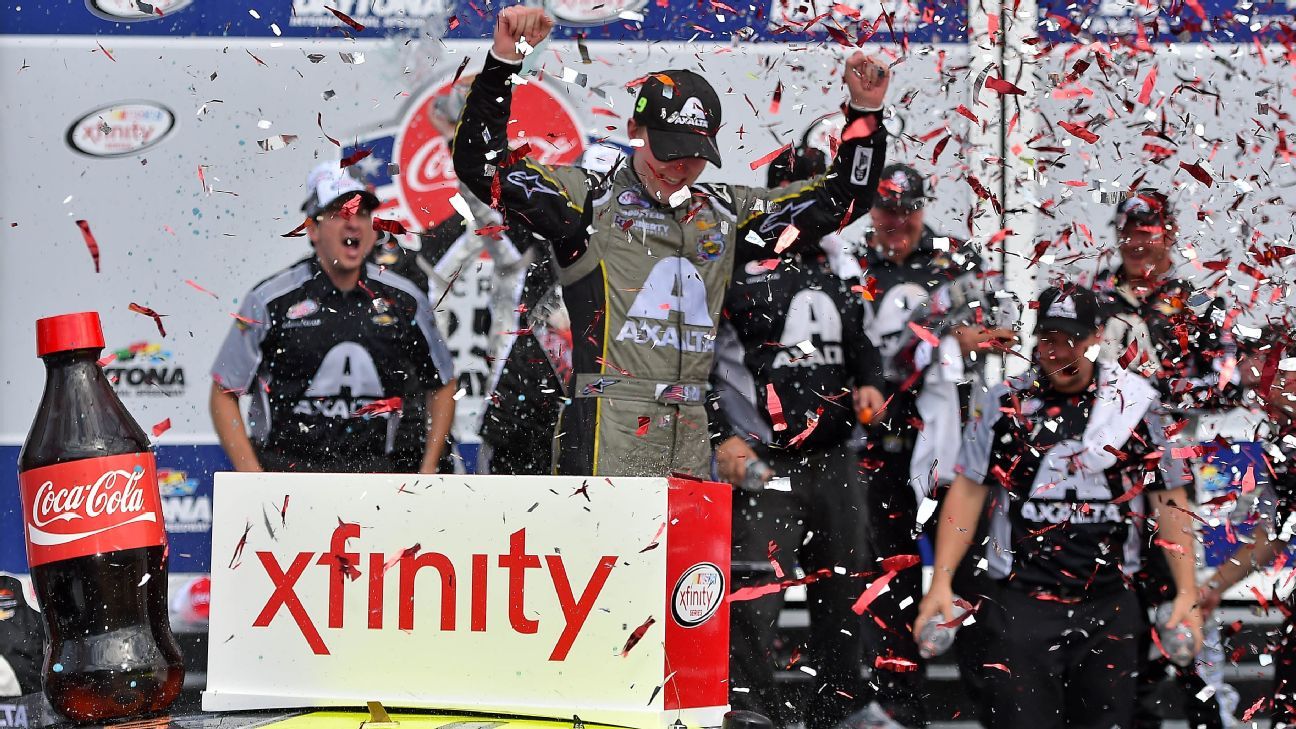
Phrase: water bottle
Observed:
(936, 637)
(757, 475)
(1177, 642)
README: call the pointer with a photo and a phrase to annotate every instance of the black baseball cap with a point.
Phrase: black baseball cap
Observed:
(1072, 310)
(1145, 207)
(901, 189)
(681, 112)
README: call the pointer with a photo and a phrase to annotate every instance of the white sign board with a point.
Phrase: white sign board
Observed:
(542, 596)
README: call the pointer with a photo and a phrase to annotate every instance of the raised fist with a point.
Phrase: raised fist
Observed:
(518, 30)
(867, 79)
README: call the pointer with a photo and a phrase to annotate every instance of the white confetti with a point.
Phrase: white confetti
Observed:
(806, 347)
(254, 14)
(353, 57)
(1287, 365)
(461, 206)
(278, 141)
(1091, 354)
(679, 197)
(941, 244)
(263, 124)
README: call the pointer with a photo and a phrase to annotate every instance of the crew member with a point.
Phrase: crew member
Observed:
(904, 262)
(791, 374)
(328, 348)
(1065, 456)
(644, 254)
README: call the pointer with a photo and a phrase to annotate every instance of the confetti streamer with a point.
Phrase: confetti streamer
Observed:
(1079, 131)
(1198, 172)
(161, 427)
(346, 19)
(157, 318)
(91, 244)
(319, 119)
(924, 334)
(388, 226)
(199, 288)
(355, 156)
(1149, 83)
(775, 407)
(378, 407)
(770, 157)
(1001, 86)
(871, 592)
(637, 636)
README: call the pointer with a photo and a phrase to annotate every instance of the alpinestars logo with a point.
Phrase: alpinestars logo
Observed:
(691, 114)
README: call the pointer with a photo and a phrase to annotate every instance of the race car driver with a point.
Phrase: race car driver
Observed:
(645, 255)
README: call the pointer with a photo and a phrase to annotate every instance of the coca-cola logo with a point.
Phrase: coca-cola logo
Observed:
(428, 181)
(111, 501)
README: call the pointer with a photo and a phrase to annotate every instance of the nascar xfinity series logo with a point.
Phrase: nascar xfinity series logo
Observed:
(144, 369)
(697, 594)
(120, 129)
(412, 168)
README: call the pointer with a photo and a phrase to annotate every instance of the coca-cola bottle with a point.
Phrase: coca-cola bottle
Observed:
(96, 543)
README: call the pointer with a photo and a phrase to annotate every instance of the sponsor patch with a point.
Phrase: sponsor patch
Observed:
(697, 594)
(303, 308)
(861, 166)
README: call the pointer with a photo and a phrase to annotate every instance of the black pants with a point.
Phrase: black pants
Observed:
(893, 510)
(1152, 671)
(819, 526)
(1063, 666)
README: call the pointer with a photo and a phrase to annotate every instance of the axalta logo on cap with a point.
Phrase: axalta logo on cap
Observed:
(90, 506)
(691, 113)
(344, 566)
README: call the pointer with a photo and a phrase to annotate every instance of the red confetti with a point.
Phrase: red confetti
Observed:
(998, 666)
(900, 562)
(157, 318)
(491, 230)
(1079, 130)
(777, 100)
(895, 663)
(355, 156)
(377, 407)
(940, 147)
(161, 427)
(90, 241)
(345, 19)
(966, 112)
(775, 407)
(812, 423)
(644, 422)
(319, 119)
(770, 157)
(350, 208)
(1149, 83)
(105, 52)
(283, 512)
(924, 334)
(389, 226)
(1257, 706)
(238, 548)
(1176, 548)
(203, 290)
(637, 636)
(1003, 87)
(1198, 173)
(871, 592)
(860, 128)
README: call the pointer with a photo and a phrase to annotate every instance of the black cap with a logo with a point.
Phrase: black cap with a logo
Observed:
(1072, 310)
(682, 115)
(900, 188)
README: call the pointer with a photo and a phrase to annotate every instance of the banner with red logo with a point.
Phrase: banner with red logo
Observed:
(91, 506)
(540, 596)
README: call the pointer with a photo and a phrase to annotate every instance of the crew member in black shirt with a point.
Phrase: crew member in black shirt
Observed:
(1063, 459)
(792, 370)
(328, 348)
(905, 261)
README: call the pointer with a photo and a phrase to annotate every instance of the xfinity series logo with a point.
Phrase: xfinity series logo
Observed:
(120, 129)
(465, 580)
(145, 369)
(697, 594)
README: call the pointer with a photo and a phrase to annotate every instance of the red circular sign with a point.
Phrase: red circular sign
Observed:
(427, 180)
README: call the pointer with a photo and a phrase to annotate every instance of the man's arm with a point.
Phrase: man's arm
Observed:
(441, 410)
(958, 523)
(1174, 532)
(1246, 560)
(528, 194)
(230, 429)
(825, 204)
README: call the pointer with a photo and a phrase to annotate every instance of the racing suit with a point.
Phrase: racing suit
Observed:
(643, 281)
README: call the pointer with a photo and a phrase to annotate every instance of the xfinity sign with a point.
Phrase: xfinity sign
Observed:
(509, 594)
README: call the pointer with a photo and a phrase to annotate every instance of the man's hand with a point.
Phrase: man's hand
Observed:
(939, 600)
(732, 458)
(518, 30)
(1209, 598)
(1185, 612)
(866, 78)
(868, 404)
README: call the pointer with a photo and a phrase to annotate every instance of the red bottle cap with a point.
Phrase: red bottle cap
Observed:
(68, 331)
